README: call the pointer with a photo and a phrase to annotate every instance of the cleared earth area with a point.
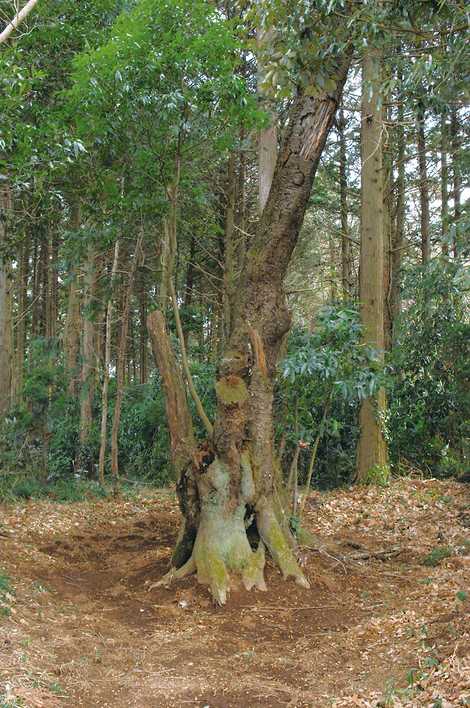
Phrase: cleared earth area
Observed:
(385, 622)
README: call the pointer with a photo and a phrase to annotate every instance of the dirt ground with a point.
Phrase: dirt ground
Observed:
(81, 628)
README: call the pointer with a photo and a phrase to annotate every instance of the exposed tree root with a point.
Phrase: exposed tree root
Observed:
(271, 533)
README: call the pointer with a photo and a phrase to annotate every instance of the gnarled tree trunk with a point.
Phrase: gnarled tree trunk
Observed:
(234, 474)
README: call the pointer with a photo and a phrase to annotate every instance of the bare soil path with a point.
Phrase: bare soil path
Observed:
(80, 627)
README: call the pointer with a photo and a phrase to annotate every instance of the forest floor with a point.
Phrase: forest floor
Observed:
(79, 626)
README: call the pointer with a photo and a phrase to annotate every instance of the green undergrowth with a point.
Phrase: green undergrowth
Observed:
(438, 554)
(14, 488)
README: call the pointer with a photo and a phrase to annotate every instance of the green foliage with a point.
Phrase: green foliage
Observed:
(328, 368)
(438, 554)
(429, 396)
(379, 475)
(37, 452)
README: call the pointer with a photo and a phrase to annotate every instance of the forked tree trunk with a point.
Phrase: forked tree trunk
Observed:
(234, 474)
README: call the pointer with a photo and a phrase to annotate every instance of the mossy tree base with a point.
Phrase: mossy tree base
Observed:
(221, 547)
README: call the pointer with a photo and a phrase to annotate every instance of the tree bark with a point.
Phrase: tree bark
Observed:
(267, 149)
(372, 451)
(20, 16)
(235, 473)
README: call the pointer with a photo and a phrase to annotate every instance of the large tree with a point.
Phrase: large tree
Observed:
(231, 482)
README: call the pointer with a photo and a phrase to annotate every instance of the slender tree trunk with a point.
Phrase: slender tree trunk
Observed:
(456, 186)
(121, 363)
(444, 183)
(36, 304)
(52, 299)
(20, 324)
(387, 172)
(89, 361)
(106, 369)
(423, 187)
(45, 272)
(143, 363)
(346, 253)
(399, 229)
(234, 474)
(332, 267)
(372, 451)
(5, 308)
(72, 332)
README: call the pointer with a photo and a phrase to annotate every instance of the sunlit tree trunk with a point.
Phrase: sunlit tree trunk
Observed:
(372, 451)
